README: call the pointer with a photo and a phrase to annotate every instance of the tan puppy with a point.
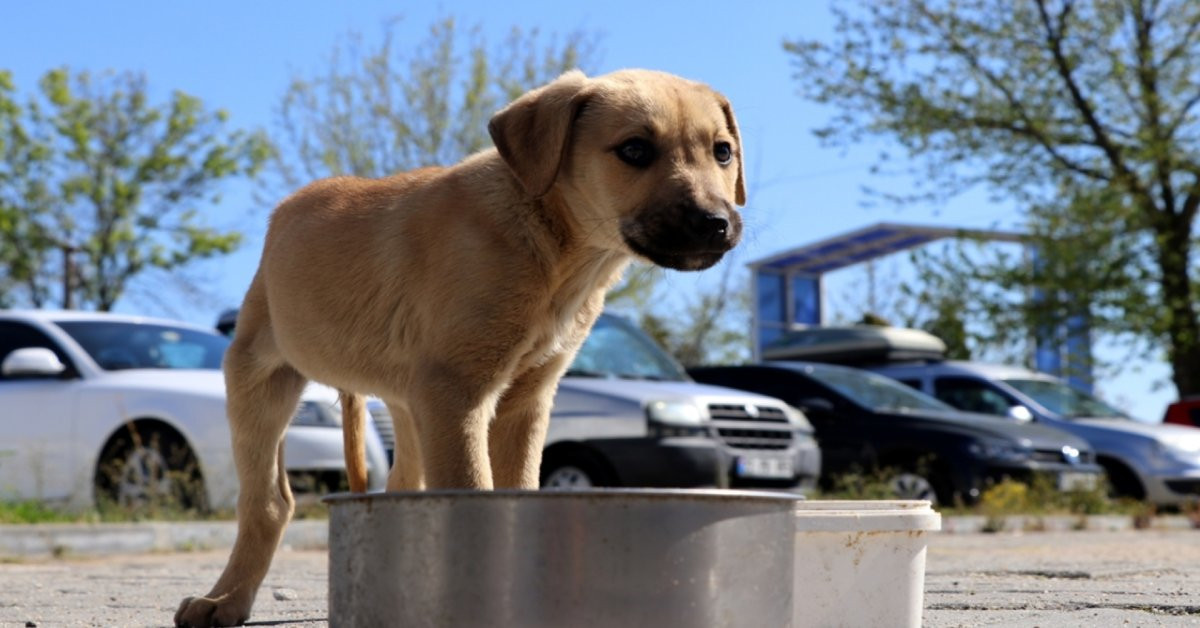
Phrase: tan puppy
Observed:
(460, 295)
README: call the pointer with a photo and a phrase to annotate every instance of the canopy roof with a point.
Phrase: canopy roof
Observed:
(865, 244)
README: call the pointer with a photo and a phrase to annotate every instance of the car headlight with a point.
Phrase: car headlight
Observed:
(314, 414)
(1004, 451)
(674, 418)
(797, 418)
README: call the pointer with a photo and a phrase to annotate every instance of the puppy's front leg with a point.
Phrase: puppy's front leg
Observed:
(454, 412)
(518, 434)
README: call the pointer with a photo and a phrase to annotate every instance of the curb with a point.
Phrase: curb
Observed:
(82, 540)
(973, 524)
(76, 540)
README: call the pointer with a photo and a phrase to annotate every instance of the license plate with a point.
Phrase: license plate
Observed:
(774, 467)
(1071, 481)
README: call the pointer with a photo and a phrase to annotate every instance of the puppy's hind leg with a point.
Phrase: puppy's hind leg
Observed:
(261, 403)
(407, 468)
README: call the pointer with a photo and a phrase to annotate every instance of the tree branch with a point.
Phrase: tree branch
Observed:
(1147, 75)
(1054, 39)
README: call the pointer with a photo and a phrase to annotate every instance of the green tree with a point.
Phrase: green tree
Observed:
(382, 109)
(1053, 103)
(708, 326)
(98, 185)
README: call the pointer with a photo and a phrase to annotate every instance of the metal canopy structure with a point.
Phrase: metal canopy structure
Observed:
(866, 244)
(789, 288)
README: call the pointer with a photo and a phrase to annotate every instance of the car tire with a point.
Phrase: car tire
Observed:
(910, 485)
(573, 470)
(1122, 481)
(148, 466)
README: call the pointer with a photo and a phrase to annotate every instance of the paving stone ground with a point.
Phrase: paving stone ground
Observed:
(1047, 579)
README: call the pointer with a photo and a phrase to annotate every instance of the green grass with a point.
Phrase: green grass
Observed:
(37, 512)
(1009, 497)
(29, 512)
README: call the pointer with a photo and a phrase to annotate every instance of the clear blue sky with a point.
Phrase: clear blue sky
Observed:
(239, 56)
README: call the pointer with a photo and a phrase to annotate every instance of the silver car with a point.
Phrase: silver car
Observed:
(97, 406)
(1156, 462)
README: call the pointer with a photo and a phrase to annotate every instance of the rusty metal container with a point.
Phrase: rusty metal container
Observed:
(598, 558)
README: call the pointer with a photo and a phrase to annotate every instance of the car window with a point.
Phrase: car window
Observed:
(615, 348)
(872, 391)
(120, 345)
(972, 395)
(1065, 401)
(16, 335)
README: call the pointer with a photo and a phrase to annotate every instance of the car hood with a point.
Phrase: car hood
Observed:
(1029, 434)
(195, 382)
(644, 391)
(1179, 435)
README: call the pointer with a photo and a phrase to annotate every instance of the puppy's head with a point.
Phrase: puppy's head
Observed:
(645, 162)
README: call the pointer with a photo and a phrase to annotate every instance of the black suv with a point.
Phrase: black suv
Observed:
(867, 422)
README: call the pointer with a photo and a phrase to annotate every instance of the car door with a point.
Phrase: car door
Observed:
(972, 395)
(38, 456)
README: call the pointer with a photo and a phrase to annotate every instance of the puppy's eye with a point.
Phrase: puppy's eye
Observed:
(636, 152)
(723, 152)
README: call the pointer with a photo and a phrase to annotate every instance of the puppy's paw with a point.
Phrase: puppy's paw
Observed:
(202, 612)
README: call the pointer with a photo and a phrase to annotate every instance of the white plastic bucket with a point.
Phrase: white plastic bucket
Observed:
(860, 563)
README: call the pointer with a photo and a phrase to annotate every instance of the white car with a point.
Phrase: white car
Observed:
(99, 407)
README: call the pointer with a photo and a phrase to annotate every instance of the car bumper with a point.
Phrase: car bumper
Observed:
(663, 463)
(797, 468)
(1174, 489)
(319, 451)
(1064, 477)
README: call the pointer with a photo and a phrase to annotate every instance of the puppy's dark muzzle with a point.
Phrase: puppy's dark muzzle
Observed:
(684, 237)
(706, 229)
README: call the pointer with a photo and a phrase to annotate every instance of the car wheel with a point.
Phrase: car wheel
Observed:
(1122, 481)
(147, 466)
(906, 485)
(574, 470)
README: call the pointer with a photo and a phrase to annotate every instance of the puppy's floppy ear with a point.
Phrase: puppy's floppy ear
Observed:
(731, 123)
(533, 132)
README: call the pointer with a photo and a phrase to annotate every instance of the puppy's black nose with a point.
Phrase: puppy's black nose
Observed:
(706, 227)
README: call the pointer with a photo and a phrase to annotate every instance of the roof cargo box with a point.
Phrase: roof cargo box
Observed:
(860, 344)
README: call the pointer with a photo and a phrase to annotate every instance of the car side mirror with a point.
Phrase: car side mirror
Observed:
(1019, 413)
(815, 404)
(32, 362)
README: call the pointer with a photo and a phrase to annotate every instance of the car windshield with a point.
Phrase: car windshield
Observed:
(616, 348)
(874, 392)
(1065, 401)
(117, 345)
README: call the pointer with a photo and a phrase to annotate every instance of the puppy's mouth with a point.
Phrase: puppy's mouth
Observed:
(690, 239)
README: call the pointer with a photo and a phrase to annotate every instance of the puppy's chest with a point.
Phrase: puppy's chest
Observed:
(570, 305)
(559, 332)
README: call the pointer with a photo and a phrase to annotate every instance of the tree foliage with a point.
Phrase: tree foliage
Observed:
(98, 185)
(380, 109)
(1084, 111)
(711, 325)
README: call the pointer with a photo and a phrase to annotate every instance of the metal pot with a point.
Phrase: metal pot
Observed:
(561, 558)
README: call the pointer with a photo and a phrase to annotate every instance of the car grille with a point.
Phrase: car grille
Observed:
(1056, 456)
(383, 424)
(747, 426)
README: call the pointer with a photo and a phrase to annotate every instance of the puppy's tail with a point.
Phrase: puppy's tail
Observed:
(354, 426)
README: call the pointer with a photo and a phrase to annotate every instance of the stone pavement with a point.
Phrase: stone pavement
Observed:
(1124, 577)
(1068, 579)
